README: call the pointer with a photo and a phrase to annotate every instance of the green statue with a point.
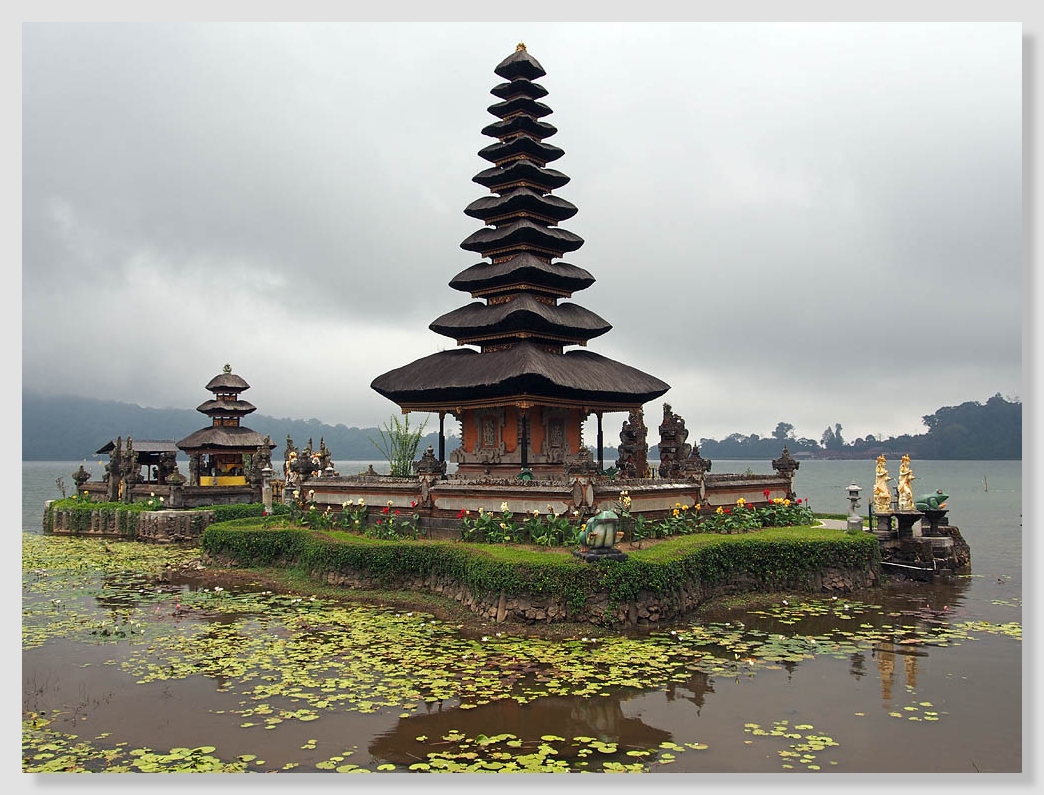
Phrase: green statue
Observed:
(600, 531)
(932, 502)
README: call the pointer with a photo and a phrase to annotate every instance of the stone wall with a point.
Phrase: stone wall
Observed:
(153, 526)
(648, 609)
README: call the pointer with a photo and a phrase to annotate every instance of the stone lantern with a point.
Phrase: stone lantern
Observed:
(855, 523)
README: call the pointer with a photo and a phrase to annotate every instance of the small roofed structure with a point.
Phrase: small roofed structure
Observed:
(159, 457)
(521, 398)
(221, 454)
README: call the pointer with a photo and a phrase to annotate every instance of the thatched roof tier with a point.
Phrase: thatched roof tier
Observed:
(522, 233)
(524, 372)
(520, 146)
(225, 407)
(518, 174)
(142, 446)
(225, 438)
(524, 105)
(519, 125)
(524, 201)
(519, 88)
(520, 64)
(559, 278)
(227, 382)
(522, 315)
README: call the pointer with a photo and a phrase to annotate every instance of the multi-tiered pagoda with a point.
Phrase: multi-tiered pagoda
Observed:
(221, 454)
(521, 398)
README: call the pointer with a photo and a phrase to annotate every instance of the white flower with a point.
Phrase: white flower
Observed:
(504, 507)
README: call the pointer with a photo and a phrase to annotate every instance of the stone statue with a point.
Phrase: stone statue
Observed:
(906, 478)
(882, 494)
(325, 459)
(80, 476)
(634, 449)
(932, 502)
(673, 447)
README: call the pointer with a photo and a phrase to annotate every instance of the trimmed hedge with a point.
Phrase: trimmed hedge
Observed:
(774, 559)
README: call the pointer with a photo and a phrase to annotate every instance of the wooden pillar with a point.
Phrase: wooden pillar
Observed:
(601, 461)
(442, 436)
(525, 438)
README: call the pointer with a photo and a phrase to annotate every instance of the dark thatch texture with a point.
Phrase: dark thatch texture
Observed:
(223, 438)
(226, 407)
(520, 124)
(227, 382)
(523, 313)
(142, 446)
(523, 269)
(522, 233)
(464, 375)
(520, 64)
(521, 145)
(519, 88)
(521, 171)
(518, 201)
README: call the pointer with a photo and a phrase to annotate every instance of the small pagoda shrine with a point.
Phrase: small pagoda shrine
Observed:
(222, 453)
(520, 397)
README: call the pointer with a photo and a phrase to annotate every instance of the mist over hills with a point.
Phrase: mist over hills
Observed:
(67, 428)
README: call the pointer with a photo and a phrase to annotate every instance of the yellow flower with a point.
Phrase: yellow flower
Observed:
(685, 507)
(677, 505)
(741, 502)
(720, 510)
(675, 512)
(787, 503)
(504, 507)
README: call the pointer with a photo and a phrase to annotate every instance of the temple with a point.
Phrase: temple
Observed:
(520, 396)
(222, 453)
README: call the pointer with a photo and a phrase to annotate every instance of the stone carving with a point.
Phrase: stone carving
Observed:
(581, 463)
(695, 466)
(325, 459)
(634, 449)
(166, 466)
(673, 447)
(80, 476)
(261, 458)
(906, 478)
(786, 466)
(882, 494)
(429, 464)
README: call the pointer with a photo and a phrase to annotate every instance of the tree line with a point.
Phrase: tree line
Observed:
(970, 431)
(72, 428)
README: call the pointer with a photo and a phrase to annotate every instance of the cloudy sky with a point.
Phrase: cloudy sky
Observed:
(808, 223)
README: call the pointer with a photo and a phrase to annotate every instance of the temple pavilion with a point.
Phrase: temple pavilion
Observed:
(221, 454)
(520, 392)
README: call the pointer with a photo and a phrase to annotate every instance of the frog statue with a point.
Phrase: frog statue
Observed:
(600, 531)
(932, 502)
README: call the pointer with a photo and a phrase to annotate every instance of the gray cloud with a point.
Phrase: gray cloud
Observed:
(802, 223)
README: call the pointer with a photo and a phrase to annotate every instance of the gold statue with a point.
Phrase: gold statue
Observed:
(520, 47)
(882, 496)
(906, 478)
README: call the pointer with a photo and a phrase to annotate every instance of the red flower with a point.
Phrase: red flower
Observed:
(379, 521)
(396, 511)
(384, 509)
(767, 492)
(798, 501)
(413, 503)
(460, 514)
(728, 510)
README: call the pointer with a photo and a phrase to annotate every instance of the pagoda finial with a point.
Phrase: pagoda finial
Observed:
(228, 368)
(520, 47)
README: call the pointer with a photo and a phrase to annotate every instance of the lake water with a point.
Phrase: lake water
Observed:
(912, 678)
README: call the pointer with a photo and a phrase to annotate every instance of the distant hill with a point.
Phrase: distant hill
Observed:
(73, 428)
